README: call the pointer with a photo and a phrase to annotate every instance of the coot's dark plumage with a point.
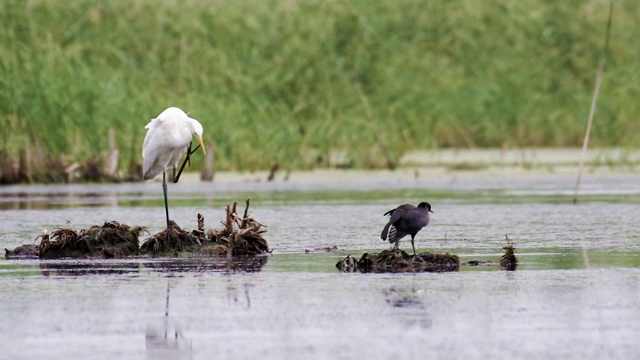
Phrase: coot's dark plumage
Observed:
(406, 220)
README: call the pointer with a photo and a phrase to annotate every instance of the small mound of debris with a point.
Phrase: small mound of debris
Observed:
(28, 251)
(326, 249)
(480, 263)
(508, 261)
(110, 240)
(396, 261)
(170, 241)
(241, 236)
(348, 264)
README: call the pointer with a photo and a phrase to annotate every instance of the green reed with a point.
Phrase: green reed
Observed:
(297, 81)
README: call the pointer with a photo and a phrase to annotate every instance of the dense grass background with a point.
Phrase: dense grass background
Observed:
(293, 81)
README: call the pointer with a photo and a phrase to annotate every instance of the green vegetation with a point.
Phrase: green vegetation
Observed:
(294, 81)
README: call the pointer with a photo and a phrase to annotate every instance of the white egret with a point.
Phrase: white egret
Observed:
(168, 137)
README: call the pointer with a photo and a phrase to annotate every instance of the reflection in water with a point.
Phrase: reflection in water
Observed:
(85, 268)
(164, 339)
(232, 294)
(204, 264)
(408, 307)
(93, 267)
(62, 200)
(297, 306)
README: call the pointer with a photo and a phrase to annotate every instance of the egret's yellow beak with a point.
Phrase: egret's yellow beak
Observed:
(201, 144)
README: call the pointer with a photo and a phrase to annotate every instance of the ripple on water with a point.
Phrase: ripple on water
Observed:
(574, 296)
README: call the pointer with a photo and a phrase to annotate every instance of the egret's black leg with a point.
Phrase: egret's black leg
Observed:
(187, 159)
(194, 150)
(414, 248)
(166, 204)
(176, 177)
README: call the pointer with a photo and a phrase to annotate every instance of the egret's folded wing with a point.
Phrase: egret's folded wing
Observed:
(150, 126)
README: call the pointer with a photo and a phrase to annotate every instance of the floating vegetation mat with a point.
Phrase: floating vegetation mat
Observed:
(171, 241)
(396, 261)
(110, 240)
(240, 236)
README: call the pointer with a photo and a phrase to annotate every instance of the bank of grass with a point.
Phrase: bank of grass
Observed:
(294, 81)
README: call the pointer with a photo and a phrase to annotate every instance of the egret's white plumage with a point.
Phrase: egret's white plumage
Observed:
(168, 137)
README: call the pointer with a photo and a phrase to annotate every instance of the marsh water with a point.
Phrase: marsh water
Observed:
(575, 293)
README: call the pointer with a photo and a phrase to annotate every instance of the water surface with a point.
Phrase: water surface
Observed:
(575, 294)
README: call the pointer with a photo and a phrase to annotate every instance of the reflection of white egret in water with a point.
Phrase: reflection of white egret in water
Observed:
(232, 293)
(164, 340)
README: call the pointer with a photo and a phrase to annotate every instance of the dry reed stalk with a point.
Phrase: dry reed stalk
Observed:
(592, 111)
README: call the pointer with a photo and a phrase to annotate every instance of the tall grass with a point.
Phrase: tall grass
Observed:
(292, 81)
